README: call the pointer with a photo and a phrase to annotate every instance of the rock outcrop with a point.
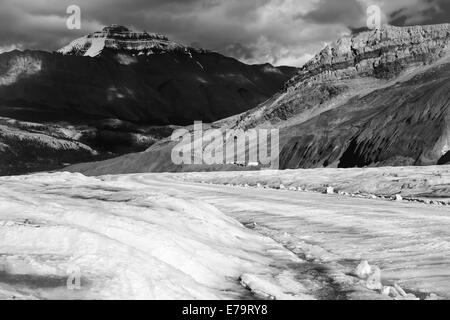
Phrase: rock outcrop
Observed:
(120, 38)
(382, 53)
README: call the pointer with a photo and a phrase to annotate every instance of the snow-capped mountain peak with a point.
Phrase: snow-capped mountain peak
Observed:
(120, 38)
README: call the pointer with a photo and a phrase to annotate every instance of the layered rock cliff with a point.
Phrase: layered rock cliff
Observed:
(382, 53)
(393, 108)
(354, 64)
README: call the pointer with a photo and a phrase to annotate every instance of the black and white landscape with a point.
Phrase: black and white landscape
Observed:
(354, 203)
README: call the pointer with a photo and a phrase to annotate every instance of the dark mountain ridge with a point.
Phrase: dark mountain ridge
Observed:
(119, 90)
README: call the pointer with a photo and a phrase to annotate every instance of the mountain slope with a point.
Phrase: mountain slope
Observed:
(171, 88)
(118, 87)
(400, 112)
(376, 98)
(134, 77)
(405, 124)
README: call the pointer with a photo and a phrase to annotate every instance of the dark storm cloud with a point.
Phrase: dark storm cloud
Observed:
(348, 12)
(240, 50)
(432, 12)
(256, 31)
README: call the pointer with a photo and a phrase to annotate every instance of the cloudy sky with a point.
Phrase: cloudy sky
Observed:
(282, 32)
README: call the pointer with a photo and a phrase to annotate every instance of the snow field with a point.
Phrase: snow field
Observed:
(129, 243)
